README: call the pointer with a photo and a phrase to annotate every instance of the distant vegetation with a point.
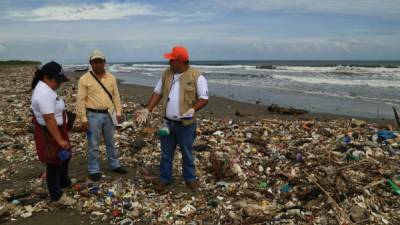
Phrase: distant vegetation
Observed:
(18, 63)
(361, 65)
(271, 67)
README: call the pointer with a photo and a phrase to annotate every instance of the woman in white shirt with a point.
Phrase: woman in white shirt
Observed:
(51, 134)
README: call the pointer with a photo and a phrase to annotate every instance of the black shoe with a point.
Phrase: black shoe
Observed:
(95, 176)
(67, 184)
(162, 188)
(192, 185)
(120, 170)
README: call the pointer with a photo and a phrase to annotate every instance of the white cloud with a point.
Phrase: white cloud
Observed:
(105, 11)
(384, 8)
(186, 18)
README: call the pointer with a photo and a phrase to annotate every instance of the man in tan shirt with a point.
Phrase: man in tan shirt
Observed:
(95, 108)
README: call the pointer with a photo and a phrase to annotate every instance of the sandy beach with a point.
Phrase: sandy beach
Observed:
(263, 145)
(301, 127)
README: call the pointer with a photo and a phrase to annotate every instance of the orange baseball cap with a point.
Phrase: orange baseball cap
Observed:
(178, 53)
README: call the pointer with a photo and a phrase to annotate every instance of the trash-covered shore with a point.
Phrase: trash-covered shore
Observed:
(270, 171)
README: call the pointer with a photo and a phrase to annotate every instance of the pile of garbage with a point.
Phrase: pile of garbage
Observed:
(268, 172)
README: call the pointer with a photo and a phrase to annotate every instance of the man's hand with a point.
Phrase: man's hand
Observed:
(84, 126)
(119, 119)
(142, 115)
(190, 112)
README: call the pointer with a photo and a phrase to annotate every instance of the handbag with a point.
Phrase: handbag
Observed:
(70, 120)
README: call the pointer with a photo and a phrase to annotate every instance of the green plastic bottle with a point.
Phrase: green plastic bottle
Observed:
(164, 130)
(394, 187)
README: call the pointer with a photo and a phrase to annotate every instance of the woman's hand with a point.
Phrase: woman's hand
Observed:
(64, 144)
(51, 124)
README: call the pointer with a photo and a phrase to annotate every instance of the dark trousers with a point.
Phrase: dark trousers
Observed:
(57, 178)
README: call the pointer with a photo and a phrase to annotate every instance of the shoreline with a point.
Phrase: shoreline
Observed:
(249, 111)
(225, 108)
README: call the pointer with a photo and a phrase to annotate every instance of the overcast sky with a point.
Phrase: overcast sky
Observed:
(67, 31)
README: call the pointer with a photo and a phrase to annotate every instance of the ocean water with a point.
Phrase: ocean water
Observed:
(354, 88)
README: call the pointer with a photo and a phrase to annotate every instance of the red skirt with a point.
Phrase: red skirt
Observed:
(47, 148)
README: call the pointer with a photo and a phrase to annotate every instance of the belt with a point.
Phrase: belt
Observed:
(175, 121)
(97, 110)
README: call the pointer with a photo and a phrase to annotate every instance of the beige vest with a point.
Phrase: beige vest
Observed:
(187, 91)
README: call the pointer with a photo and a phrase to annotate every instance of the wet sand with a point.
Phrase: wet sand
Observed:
(223, 108)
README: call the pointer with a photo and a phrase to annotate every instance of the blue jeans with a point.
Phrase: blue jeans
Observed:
(101, 123)
(184, 137)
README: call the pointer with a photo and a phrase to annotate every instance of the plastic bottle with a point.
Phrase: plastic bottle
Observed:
(94, 190)
(299, 156)
(394, 187)
(346, 139)
(286, 188)
(263, 186)
(111, 193)
(16, 202)
(64, 154)
(164, 129)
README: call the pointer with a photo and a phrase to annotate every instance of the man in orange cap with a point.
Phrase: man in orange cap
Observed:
(183, 91)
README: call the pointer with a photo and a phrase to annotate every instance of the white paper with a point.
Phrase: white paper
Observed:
(188, 117)
(114, 119)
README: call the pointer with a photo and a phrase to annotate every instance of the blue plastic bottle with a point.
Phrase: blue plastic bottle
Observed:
(64, 154)
(346, 140)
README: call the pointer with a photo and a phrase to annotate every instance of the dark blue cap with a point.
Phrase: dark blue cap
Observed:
(55, 70)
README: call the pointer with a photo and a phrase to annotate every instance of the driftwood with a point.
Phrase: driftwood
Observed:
(283, 110)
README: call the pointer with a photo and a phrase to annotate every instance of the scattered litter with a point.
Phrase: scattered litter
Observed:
(267, 171)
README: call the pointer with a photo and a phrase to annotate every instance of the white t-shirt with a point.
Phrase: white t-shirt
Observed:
(46, 101)
(173, 103)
